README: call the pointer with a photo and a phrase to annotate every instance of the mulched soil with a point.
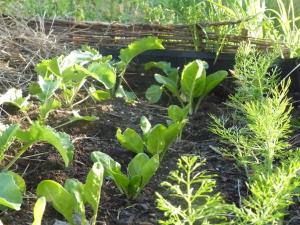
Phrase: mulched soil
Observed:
(42, 162)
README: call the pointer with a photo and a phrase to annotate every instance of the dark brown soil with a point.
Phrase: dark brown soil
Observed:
(42, 162)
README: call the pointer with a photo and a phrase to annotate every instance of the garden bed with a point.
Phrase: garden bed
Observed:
(41, 162)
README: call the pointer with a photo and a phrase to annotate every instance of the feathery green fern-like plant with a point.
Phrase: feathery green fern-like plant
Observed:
(193, 200)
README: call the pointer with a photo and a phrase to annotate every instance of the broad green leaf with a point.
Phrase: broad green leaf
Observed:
(104, 73)
(112, 169)
(172, 132)
(7, 136)
(100, 95)
(76, 74)
(77, 117)
(149, 169)
(10, 192)
(162, 65)
(61, 141)
(154, 93)
(75, 188)
(61, 199)
(214, 80)
(44, 89)
(177, 114)
(20, 182)
(170, 84)
(145, 125)
(47, 107)
(49, 67)
(130, 140)
(107, 162)
(80, 57)
(38, 211)
(138, 47)
(127, 95)
(15, 97)
(136, 165)
(155, 139)
(141, 169)
(193, 79)
(92, 188)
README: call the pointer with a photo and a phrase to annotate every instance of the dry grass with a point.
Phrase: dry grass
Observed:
(21, 47)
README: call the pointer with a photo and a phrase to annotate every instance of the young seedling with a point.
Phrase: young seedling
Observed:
(157, 139)
(36, 133)
(71, 199)
(139, 172)
(194, 84)
(192, 200)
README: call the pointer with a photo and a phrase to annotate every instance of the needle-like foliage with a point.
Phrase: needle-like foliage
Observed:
(271, 194)
(256, 135)
(193, 200)
(260, 119)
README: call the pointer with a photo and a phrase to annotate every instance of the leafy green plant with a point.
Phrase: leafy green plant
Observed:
(71, 198)
(194, 84)
(140, 170)
(129, 53)
(36, 133)
(158, 138)
(192, 200)
(70, 73)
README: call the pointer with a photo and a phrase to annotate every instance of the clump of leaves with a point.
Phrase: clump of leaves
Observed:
(12, 185)
(70, 199)
(158, 138)
(36, 133)
(193, 84)
(70, 73)
(139, 172)
(192, 200)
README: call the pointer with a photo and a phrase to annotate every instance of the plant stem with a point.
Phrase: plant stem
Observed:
(81, 101)
(63, 124)
(198, 103)
(120, 80)
(17, 156)
(189, 193)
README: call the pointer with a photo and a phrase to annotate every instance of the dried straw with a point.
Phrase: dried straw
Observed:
(21, 47)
